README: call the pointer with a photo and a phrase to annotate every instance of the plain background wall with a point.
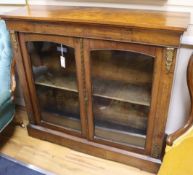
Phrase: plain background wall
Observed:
(180, 100)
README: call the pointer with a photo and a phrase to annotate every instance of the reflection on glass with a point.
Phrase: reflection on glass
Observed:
(55, 80)
(122, 83)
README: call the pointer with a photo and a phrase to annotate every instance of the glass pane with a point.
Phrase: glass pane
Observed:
(55, 81)
(122, 83)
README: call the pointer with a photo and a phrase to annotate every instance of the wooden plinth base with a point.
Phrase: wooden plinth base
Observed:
(142, 162)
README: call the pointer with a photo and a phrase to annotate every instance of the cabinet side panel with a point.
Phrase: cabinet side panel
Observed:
(168, 56)
(22, 74)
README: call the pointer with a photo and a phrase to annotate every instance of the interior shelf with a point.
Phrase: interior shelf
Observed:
(106, 88)
(61, 120)
(120, 115)
(64, 83)
(59, 107)
(117, 90)
(117, 136)
(121, 128)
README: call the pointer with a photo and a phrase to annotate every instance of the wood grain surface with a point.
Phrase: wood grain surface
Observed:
(107, 16)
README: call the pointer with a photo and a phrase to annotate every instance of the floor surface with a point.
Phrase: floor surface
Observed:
(57, 159)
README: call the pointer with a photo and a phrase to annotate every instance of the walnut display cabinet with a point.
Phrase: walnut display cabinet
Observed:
(98, 80)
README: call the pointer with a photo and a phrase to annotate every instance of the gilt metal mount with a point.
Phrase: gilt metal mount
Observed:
(169, 58)
(14, 40)
(156, 151)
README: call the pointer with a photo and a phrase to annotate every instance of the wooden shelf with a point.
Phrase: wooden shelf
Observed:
(121, 115)
(65, 83)
(120, 137)
(61, 120)
(121, 128)
(115, 90)
(109, 89)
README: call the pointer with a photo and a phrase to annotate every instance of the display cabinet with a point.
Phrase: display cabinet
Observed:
(98, 80)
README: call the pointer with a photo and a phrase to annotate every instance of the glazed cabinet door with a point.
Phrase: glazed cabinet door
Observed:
(119, 81)
(54, 73)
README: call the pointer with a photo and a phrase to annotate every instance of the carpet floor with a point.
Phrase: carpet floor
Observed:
(9, 166)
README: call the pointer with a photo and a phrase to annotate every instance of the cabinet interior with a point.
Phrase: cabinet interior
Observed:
(121, 85)
(121, 90)
(56, 83)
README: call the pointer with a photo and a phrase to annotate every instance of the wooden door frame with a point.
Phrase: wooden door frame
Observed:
(69, 41)
(156, 53)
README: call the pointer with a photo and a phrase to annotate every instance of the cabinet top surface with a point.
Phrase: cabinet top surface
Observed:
(103, 16)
